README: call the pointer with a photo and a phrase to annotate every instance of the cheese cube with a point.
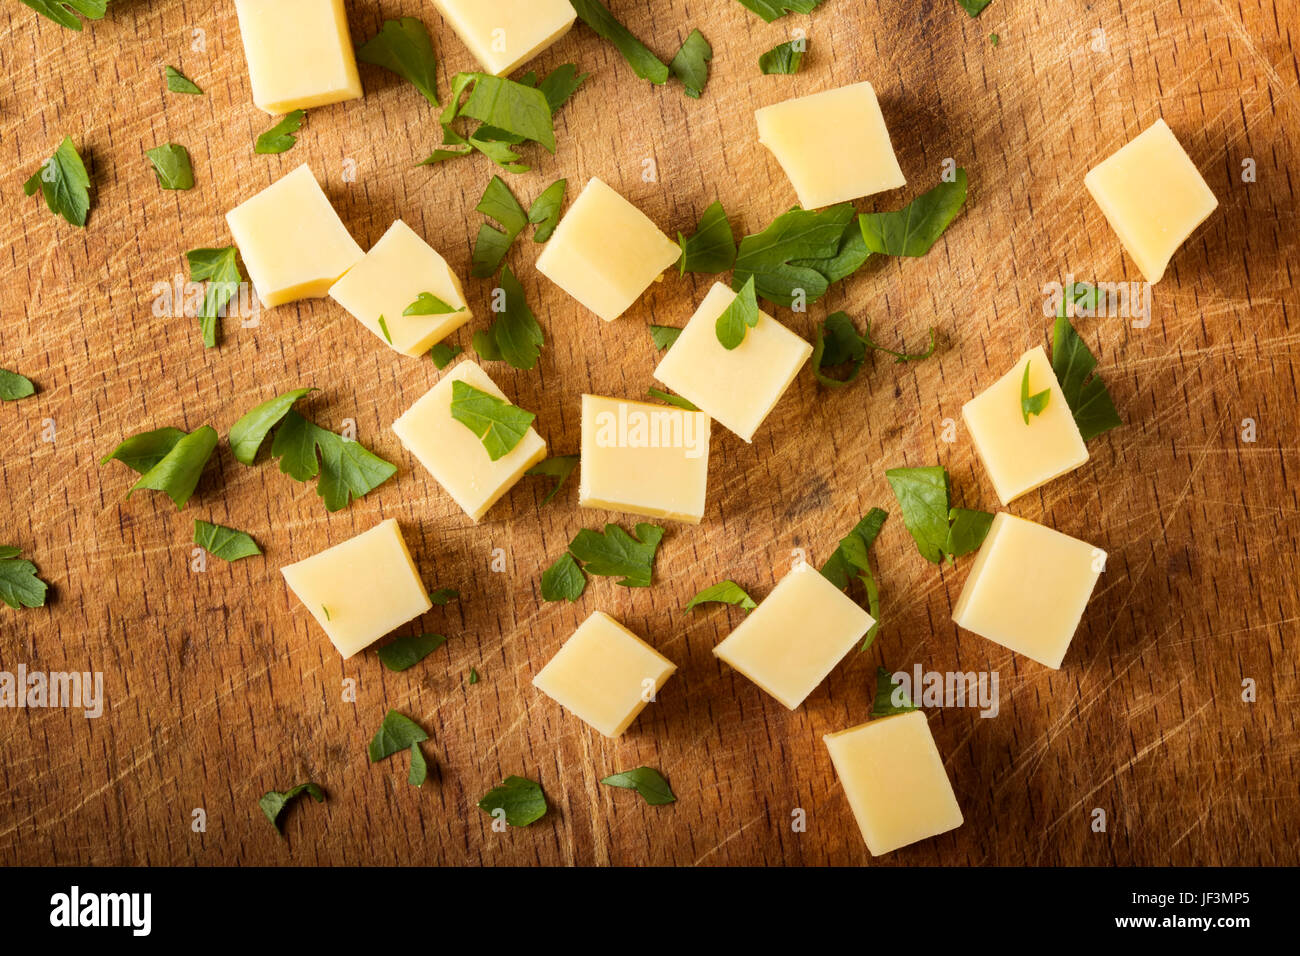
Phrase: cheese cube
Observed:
(604, 674)
(361, 589)
(1028, 587)
(895, 780)
(504, 34)
(795, 637)
(292, 241)
(644, 459)
(299, 53)
(454, 455)
(1020, 457)
(389, 279)
(736, 387)
(833, 145)
(606, 252)
(1153, 196)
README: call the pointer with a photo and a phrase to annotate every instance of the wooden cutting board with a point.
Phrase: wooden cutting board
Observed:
(219, 686)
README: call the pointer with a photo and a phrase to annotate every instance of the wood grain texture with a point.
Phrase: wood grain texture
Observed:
(219, 686)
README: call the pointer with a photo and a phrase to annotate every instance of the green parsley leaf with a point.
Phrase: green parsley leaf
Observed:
(19, 584)
(771, 10)
(838, 343)
(518, 110)
(691, 64)
(406, 652)
(347, 470)
(444, 596)
(545, 210)
(912, 230)
(178, 82)
(563, 580)
(492, 244)
(646, 781)
(939, 531)
(403, 47)
(967, 532)
(419, 767)
(167, 460)
(724, 592)
(1073, 363)
(559, 467)
(664, 336)
(1032, 404)
(442, 354)
(64, 182)
(497, 423)
(615, 553)
(273, 802)
(61, 11)
(220, 268)
(974, 7)
(522, 800)
(279, 138)
(675, 400)
(224, 543)
(248, 434)
(890, 698)
(801, 251)
(397, 732)
(994, 39)
(473, 676)
(643, 62)
(14, 386)
(560, 84)
(383, 327)
(785, 58)
(738, 318)
(713, 247)
(852, 557)
(514, 336)
(429, 304)
(171, 162)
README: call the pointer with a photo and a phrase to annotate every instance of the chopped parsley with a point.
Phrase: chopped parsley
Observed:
(167, 460)
(1032, 404)
(713, 247)
(771, 10)
(521, 799)
(403, 47)
(220, 269)
(912, 230)
(405, 652)
(171, 162)
(852, 559)
(224, 543)
(648, 782)
(419, 767)
(838, 343)
(545, 210)
(20, 585)
(64, 182)
(398, 732)
(890, 697)
(643, 62)
(497, 423)
(1074, 364)
(559, 467)
(444, 596)
(675, 400)
(939, 530)
(473, 675)
(62, 11)
(610, 553)
(563, 580)
(426, 303)
(178, 82)
(974, 7)
(346, 469)
(738, 318)
(280, 138)
(691, 64)
(664, 336)
(14, 386)
(248, 434)
(785, 58)
(273, 802)
(724, 592)
(442, 354)
(514, 337)
(801, 255)
(492, 244)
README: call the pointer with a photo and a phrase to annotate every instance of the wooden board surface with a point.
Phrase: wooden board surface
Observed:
(218, 685)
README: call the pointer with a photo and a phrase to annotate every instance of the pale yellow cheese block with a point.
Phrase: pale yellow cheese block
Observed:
(606, 252)
(454, 455)
(644, 459)
(792, 641)
(292, 241)
(740, 387)
(1153, 196)
(604, 674)
(299, 53)
(832, 145)
(361, 589)
(895, 780)
(504, 34)
(1020, 457)
(1028, 587)
(389, 279)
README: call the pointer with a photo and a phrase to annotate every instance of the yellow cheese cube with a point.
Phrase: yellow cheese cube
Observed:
(644, 459)
(454, 455)
(795, 637)
(389, 279)
(1028, 587)
(1020, 457)
(738, 388)
(299, 53)
(361, 589)
(604, 674)
(606, 252)
(895, 780)
(504, 34)
(292, 241)
(833, 145)
(1153, 196)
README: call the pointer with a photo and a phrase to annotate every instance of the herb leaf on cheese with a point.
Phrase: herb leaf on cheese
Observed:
(224, 543)
(967, 531)
(837, 343)
(664, 336)
(419, 767)
(724, 592)
(442, 354)
(20, 585)
(398, 732)
(545, 210)
(647, 781)
(220, 269)
(912, 230)
(171, 162)
(643, 62)
(346, 469)
(739, 317)
(497, 423)
(14, 386)
(974, 7)
(61, 11)
(492, 244)
(248, 434)
(280, 137)
(713, 247)
(1074, 364)
(405, 652)
(1032, 404)
(429, 304)
(563, 580)
(617, 554)
(64, 182)
(515, 336)
(785, 58)
(802, 251)
(273, 802)
(771, 10)
(675, 400)
(178, 82)
(938, 529)
(559, 467)
(691, 63)
(167, 460)
(522, 800)
(403, 47)
(890, 697)
(852, 557)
